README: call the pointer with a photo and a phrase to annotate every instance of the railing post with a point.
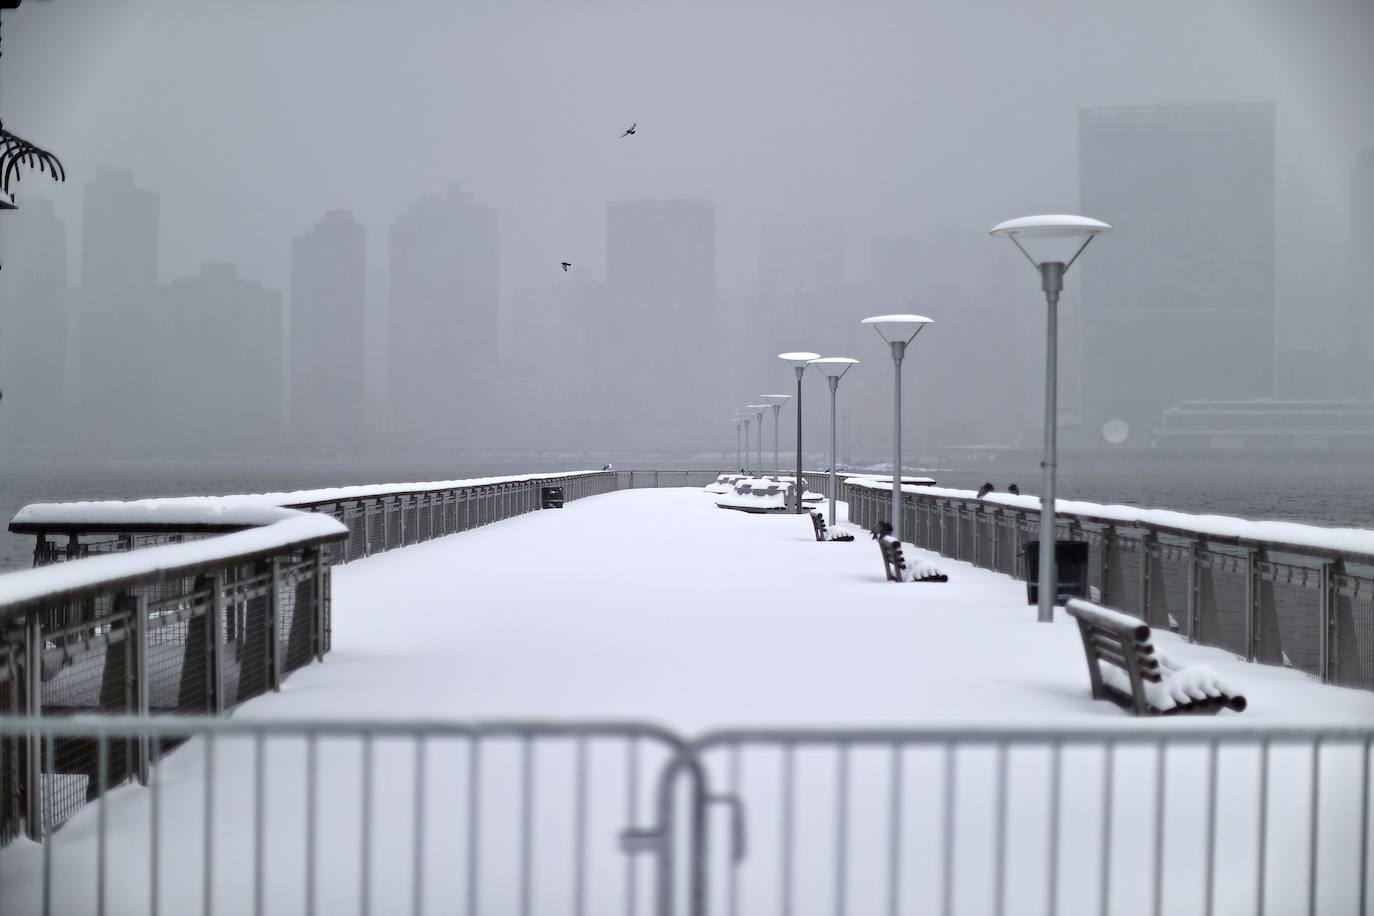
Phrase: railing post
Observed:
(318, 612)
(215, 672)
(274, 627)
(1113, 575)
(33, 708)
(139, 636)
(1149, 543)
(1264, 642)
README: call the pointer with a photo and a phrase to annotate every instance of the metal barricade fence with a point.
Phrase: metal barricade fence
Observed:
(624, 817)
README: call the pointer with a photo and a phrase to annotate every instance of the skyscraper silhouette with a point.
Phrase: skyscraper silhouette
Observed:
(328, 331)
(442, 321)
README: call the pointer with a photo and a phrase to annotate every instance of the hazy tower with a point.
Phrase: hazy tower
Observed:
(442, 320)
(328, 332)
(1358, 381)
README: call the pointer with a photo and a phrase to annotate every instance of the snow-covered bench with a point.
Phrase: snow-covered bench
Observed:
(897, 568)
(1126, 668)
(823, 532)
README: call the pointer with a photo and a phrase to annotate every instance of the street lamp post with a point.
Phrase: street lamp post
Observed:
(833, 368)
(1073, 229)
(758, 410)
(898, 331)
(745, 418)
(799, 361)
(739, 449)
(777, 400)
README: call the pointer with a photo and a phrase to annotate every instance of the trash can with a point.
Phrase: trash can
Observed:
(1071, 563)
(551, 497)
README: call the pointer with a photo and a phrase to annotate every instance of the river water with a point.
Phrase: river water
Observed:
(1322, 493)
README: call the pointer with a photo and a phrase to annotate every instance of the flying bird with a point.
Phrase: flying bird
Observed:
(565, 265)
(630, 131)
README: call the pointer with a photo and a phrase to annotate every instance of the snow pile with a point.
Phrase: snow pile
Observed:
(1180, 686)
(1357, 541)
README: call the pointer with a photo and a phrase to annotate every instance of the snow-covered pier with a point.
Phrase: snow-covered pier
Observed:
(890, 747)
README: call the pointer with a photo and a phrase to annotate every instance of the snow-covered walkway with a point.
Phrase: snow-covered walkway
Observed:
(654, 604)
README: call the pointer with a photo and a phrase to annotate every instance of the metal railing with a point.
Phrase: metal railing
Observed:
(378, 518)
(165, 612)
(1268, 600)
(627, 817)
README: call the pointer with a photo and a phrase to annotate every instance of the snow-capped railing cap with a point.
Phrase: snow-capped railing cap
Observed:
(230, 513)
(1352, 544)
(1051, 225)
(60, 582)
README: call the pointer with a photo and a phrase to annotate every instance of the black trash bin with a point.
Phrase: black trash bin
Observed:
(551, 497)
(1071, 561)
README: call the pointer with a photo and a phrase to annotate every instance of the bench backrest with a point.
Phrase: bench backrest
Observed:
(1119, 640)
(818, 522)
(893, 561)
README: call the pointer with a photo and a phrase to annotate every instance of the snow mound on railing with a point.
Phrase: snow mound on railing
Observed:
(1344, 540)
(248, 510)
(109, 569)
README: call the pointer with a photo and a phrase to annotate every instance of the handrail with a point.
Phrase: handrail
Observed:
(1242, 580)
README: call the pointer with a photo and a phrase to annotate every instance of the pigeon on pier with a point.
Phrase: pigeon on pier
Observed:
(985, 489)
(884, 530)
(630, 131)
(1013, 489)
(565, 265)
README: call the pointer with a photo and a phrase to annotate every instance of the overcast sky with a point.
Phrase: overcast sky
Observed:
(252, 118)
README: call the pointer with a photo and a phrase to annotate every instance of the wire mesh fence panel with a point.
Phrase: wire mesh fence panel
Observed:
(1289, 618)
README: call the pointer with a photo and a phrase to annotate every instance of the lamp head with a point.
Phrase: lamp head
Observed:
(1051, 237)
(777, 400)
(898, 328)
(834, 366)
(799, 359)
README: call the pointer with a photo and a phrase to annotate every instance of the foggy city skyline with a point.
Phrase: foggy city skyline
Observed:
(850, 178)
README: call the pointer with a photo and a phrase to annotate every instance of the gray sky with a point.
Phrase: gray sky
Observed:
(252, 118)
(886, 115)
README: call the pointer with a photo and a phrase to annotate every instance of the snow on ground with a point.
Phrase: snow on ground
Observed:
(712, 617)
(654, 604)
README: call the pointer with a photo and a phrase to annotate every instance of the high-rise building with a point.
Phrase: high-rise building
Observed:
(33, 327)
(328, 333)
(117, 336)
(1358, 337)
(442, 321)
(657, 339)
(797, 255)
(1178, 303)
(223, 362)
(119, 237)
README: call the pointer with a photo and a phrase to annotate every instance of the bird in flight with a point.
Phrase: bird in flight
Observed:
(565, 265)
(630, 131)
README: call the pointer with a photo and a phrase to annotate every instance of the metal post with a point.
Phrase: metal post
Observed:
(834, 388)
(1052, 282)
(33, 703)
(746, 445)
(274, 626)
(777, 455)
(798, 486)
(216, 643)
(759, 466)
(139, 634)
(898, 351)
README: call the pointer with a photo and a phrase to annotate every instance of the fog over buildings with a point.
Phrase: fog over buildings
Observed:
(335, 229)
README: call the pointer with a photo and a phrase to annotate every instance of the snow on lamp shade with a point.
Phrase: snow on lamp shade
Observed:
(834, 365)
(898, 327)
(777, 400)
(799, 359)
(1050, 226)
